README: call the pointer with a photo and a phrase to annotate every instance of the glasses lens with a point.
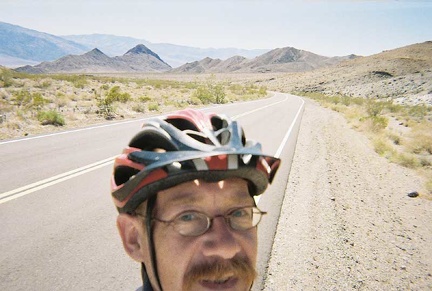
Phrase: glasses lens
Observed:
(191, 223)
(244, 218)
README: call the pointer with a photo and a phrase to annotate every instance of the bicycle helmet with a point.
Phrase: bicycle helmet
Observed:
(185, 146)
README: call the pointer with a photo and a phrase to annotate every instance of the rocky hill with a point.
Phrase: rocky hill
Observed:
(287, 59)
(404, 74)
(138, 59)
(175, 55)
(19, 46)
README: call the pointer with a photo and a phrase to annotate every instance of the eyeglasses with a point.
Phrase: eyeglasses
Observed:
(194, 223)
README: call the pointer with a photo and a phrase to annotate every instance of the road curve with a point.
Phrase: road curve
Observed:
(58, 220)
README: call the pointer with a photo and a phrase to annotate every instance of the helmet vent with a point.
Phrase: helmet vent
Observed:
(150, 139)
(122, 174)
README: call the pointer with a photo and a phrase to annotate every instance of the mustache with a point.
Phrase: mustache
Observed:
(236, 267)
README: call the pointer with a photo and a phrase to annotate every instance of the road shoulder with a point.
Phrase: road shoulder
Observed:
(346, 221)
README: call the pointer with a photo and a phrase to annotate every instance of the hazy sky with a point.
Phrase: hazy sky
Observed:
(325, 27)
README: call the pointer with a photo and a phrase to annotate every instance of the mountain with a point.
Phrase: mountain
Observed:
(175, 55)
(19, 46)
(138, 59)
(397, 73)
(287, 59)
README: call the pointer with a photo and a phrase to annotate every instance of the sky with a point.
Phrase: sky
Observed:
(330, 28)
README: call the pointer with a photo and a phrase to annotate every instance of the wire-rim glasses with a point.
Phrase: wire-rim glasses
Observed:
(195, 223)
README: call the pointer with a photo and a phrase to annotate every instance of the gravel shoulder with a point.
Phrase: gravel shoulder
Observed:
(346, 221)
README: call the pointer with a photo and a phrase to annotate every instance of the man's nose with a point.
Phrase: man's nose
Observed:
(220, 240)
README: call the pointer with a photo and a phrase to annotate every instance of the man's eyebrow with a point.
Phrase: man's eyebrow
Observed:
(189, 198)
(185, 198)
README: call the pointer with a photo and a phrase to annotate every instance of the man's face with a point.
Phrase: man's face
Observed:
(219, 259)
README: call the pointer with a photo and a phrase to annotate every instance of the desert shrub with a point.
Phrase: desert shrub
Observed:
(203, 94)
(139, 107)
(194, 101)
(379, 123)
(38, 100)
(374, 108)
(358, 101)
(105, 109)
(105, 87)
(394, 108)
(6, 78)
(395, 138)
(115, 95)
(44, 84)
(406, 160)
(419, 111)
(50, 117)
(219, 94)
(383, 147)
(24, 98)
(153, 106)
(421, 142)
(236, 89)
(78, 81)
(144, 99)
(21, 98)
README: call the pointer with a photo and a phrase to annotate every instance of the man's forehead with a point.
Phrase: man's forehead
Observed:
(231, 190)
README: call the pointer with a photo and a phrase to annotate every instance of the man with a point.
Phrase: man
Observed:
(184, 188)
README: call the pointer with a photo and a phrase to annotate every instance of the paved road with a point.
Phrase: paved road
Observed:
(58, 221)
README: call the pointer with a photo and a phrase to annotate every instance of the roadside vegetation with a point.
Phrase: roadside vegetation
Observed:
(31, 104)
(400, 133)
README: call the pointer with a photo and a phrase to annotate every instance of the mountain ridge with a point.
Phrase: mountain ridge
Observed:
(137, 59)
(286, 59)
(20, 44)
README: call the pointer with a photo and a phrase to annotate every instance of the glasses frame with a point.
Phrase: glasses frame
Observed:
(227, 217)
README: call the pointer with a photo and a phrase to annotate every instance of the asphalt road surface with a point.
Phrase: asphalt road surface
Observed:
(58, 221)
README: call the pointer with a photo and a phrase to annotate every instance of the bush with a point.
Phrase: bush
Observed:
(139, 107)
(379, 123)
(383, 148)
(374, 108)
(105, 109)
(26, 99)
(144, 98)
(406, 160)
(153, 107)
(219, 94)
(6, 78)
(115, 95)
(51, 117)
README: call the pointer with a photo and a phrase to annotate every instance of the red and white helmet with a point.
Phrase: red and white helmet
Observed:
(185, 146)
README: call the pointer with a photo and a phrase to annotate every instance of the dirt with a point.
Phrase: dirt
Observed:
(347, 222)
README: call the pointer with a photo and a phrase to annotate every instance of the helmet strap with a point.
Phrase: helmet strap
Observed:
(149, 211)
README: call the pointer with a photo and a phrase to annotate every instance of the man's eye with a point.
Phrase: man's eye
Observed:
(239, 213)
(186, 217)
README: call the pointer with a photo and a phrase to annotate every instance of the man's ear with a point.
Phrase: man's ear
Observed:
(132, 235)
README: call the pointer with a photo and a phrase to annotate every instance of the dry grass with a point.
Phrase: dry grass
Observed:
(33, 104)
(402, 134)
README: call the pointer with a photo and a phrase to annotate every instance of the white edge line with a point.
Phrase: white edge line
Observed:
(284, 141)
(287, 135)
